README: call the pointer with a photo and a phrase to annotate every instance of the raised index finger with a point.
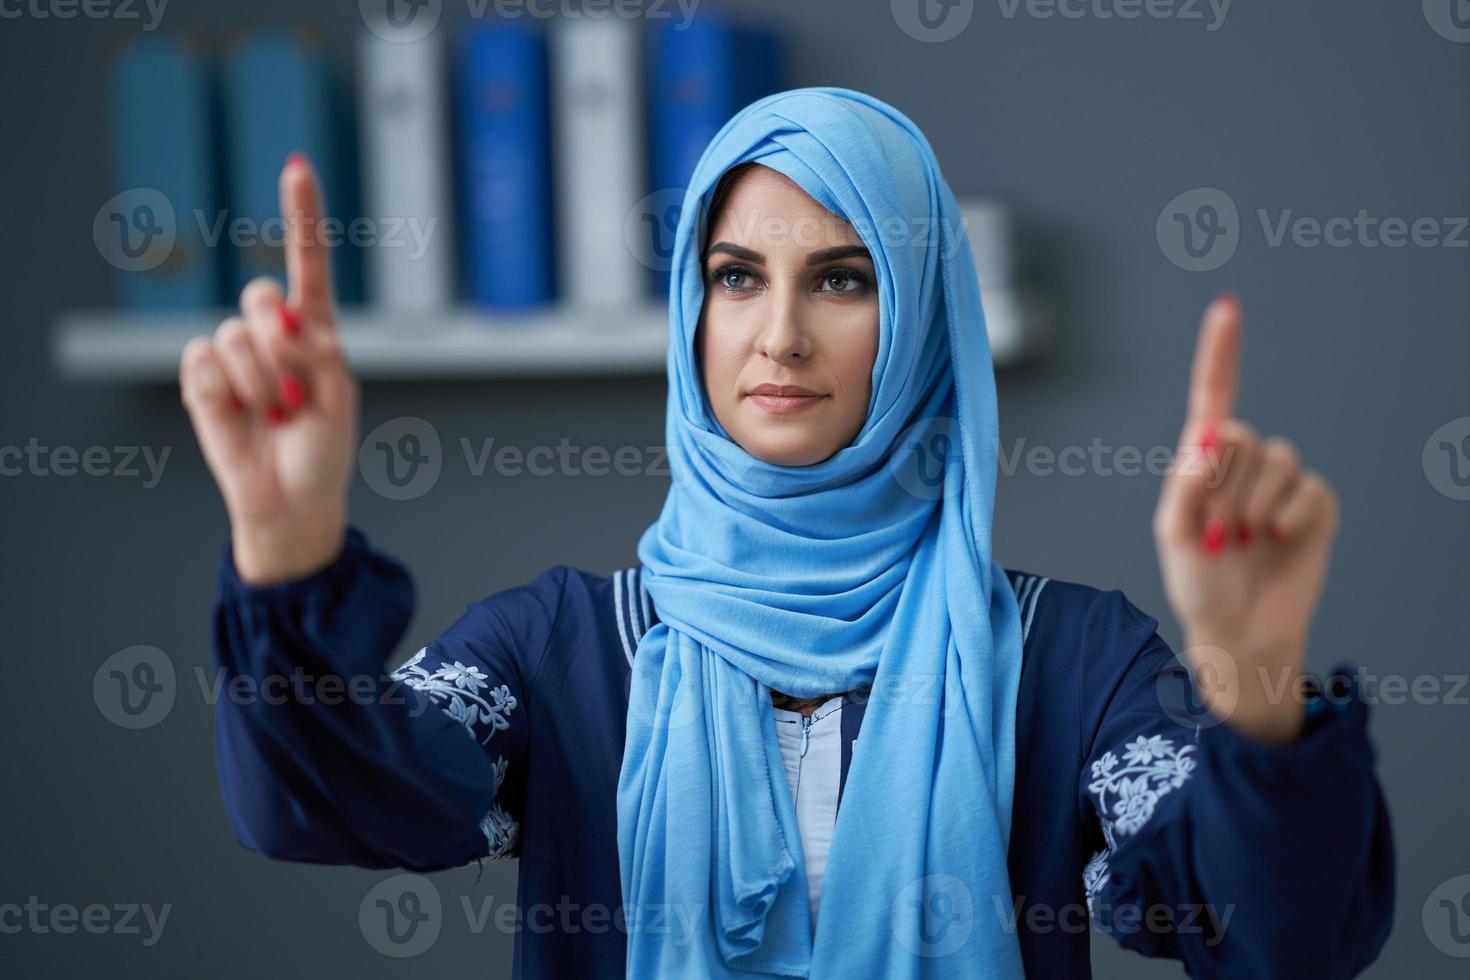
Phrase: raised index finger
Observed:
(308, 261)
(1216, 363)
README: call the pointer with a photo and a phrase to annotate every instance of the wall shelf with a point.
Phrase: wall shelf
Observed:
(143, 348)
(111, 346)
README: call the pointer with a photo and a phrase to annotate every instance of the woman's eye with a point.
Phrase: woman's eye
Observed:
(737, 279)
(729, 277)
(845, 280)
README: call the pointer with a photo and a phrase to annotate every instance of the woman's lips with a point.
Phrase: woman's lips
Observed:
(785, 404)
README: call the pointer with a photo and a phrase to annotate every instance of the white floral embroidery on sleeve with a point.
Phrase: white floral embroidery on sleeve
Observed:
(1094, 876)
(1127, 792)
(456, 688)
(501, 830)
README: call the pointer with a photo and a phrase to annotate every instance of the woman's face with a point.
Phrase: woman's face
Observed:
(790, 301)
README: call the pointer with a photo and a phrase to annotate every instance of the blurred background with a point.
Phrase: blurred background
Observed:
(515, 167)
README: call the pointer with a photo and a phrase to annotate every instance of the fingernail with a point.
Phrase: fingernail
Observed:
(1208, 435)
(295, 158)
(290, 322)
(293, 392)
(1214, 535)
(274, 415)
(1229, 298)
(1243, 535)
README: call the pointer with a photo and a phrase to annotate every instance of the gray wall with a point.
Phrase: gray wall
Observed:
(1090, 125)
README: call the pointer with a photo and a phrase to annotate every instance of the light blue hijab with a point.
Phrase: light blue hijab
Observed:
(872, 567)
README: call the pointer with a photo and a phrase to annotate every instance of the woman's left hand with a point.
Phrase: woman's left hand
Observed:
(1244, 534)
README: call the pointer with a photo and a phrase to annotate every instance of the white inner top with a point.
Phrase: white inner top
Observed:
(811, 748)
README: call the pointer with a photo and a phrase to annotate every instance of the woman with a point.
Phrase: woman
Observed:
(999, 757)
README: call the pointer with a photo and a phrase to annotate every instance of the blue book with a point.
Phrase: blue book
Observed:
(163, 166)
(501, 114)
(279, 98)
(698, 77)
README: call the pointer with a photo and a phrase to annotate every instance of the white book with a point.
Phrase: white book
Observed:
(1017, 320)
(991, 229)
(598, 148)
(1005, 323)
(406, 180)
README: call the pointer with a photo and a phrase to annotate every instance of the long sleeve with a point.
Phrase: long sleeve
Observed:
(326, 757)
(1241, 859)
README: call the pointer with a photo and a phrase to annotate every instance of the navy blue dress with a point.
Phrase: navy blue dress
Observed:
(1134, 812)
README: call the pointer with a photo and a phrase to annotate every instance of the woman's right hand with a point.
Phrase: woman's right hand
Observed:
(274, 404)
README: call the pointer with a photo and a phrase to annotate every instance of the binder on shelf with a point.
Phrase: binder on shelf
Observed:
(503, 154)
(699, 75)
(405, 180)
(280, 98)
(164, 173)
(599, 161)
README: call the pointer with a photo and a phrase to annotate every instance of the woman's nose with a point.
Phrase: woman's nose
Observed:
(783, 337)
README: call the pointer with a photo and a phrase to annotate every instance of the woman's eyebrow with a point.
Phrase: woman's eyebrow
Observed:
(839, 252)
(815, 258)
(738, 251)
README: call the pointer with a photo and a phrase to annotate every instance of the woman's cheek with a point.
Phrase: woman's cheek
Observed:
(857, 350)
(723, 363)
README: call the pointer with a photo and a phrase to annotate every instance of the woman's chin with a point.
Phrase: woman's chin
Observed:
(785, 443)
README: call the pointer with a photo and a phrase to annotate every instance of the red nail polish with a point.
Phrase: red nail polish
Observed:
(274, 415)
(293, 392)
(1243, 535)
(1208, 435)
(1214, 535)
(290, 321)
(295, 158)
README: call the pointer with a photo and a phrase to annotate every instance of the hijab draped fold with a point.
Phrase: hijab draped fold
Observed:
(871, 569)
